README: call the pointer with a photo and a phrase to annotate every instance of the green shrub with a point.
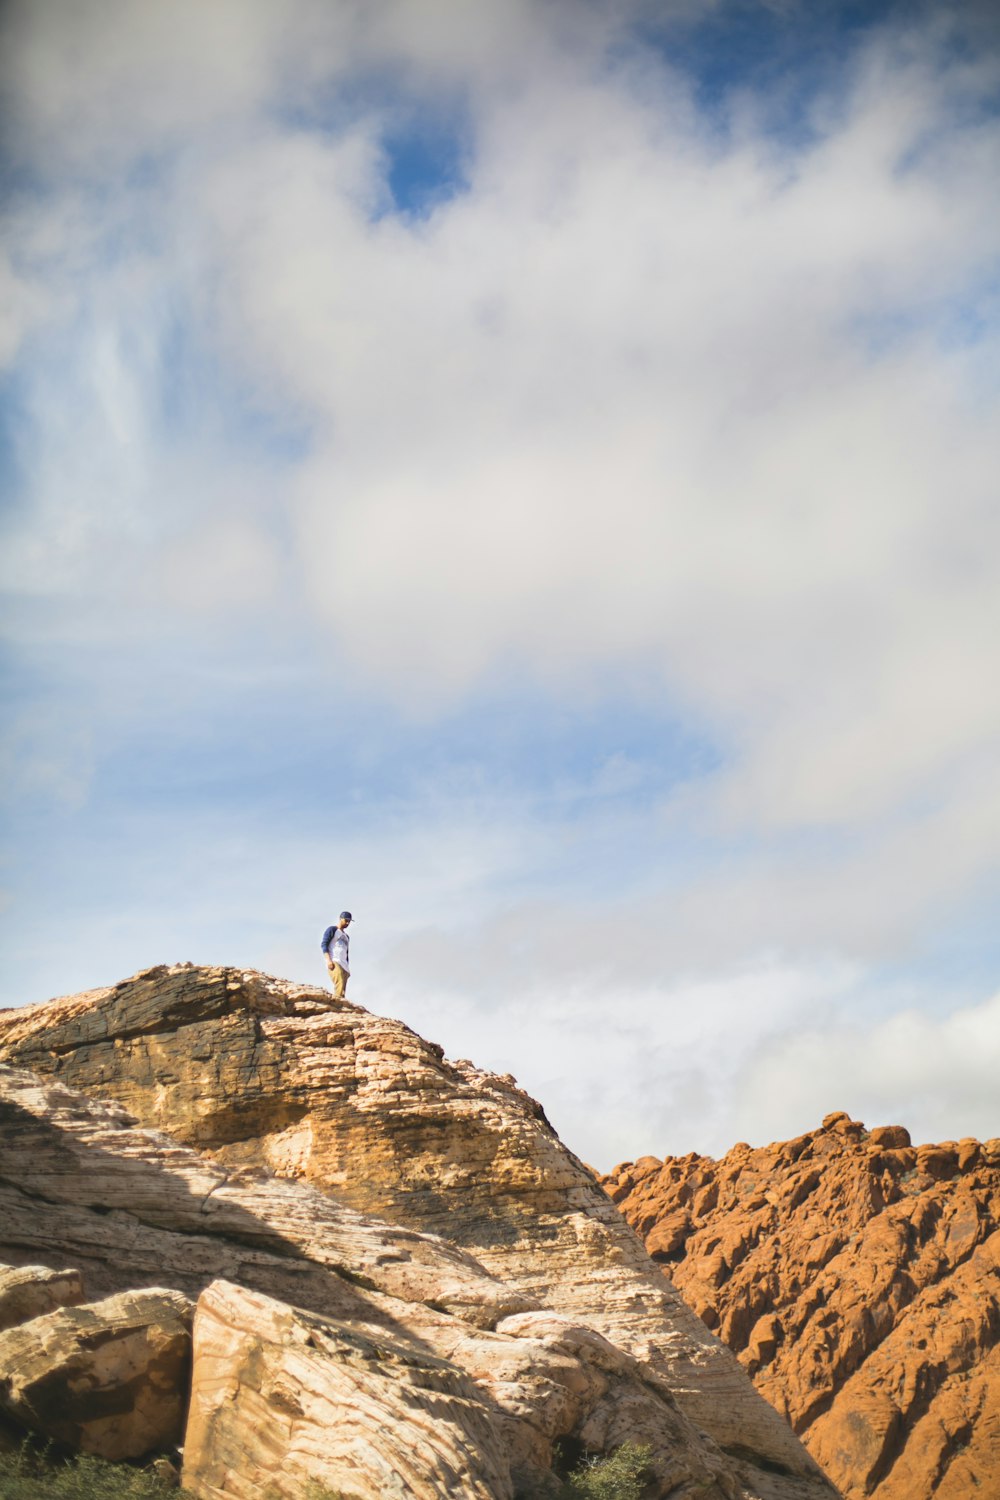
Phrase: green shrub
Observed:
(620, 1476)
(29, 1475)
(26, 1475)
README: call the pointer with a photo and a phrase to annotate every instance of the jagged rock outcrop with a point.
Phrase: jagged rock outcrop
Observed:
(335, 1161)
(109, 1378)
(857, 1278)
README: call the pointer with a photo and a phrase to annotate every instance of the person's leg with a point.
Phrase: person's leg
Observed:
(339, 982)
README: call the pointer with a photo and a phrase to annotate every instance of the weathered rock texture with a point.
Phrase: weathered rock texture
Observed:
(79, 1178)
(28, 1291)
(109, 1379)
(362, 1414)
(857, 1278)
(334, 1161)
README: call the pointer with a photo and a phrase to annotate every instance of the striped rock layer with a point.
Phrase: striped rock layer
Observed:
(282, 1156)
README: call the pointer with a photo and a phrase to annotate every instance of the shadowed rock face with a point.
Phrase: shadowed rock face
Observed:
(263, 1074)
(857, 1278)
(109, 1379)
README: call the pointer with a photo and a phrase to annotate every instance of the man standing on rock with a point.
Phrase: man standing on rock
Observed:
(336, 945)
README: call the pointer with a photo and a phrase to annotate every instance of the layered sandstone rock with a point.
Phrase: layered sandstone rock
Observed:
(109, 1378)
(78, 1178)
(361, 1414)
(433, 1178)
(126, 1204)
(858, 1280)
(28, 1291)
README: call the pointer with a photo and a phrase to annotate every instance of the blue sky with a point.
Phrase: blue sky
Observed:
(526, 473)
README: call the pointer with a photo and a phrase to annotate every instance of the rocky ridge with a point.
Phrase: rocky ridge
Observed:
(403, 1282)
(857, 1279)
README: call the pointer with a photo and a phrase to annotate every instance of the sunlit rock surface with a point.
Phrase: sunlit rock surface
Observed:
(334, 1161)
(108, 1378)
(857, 1278)
(29, 1291)
(280, 1397)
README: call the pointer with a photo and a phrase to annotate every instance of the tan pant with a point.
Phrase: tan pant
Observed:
(338, 978)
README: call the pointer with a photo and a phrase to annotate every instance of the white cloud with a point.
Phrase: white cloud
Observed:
(645, 402)
(936, 1075)
(760, 1053)
(619, 402)
(636, 1033)
(94, 85)
(23, 304)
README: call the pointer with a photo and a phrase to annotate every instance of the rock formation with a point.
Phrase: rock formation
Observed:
(108, 1379)
(857, 1278)
(370, 1230)
(29, 1291)
(364, 1412)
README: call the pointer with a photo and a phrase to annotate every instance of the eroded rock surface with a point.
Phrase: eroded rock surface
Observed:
(28, 1291)
(280, 1396)
(857, 1278)
(359, 1115)
(79, 1176)
(108, 1378)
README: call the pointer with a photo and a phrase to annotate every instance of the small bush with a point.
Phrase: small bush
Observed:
(29, 1475)
(26, 1475)
(621, 1475)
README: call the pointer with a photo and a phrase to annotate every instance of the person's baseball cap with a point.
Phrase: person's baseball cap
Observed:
(345, 915)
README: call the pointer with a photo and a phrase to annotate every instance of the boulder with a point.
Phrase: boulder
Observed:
(28, 1291)
(108, 1378)
(280, 1397)
(893, 1136)
(939, 1162)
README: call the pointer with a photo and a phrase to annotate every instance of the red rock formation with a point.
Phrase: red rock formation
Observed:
(857, 1278)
